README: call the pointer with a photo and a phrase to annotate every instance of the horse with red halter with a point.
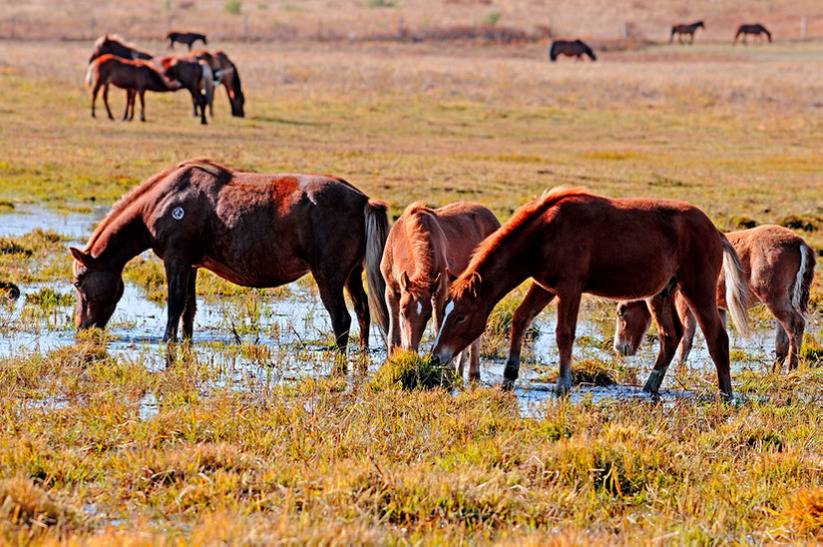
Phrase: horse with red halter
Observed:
(225, 72)
(136, 77)
(682, 30)
(756, 30)
(778, 267)
(571, 242)
(255, 230)
(194, 76)
(185, 37)
(576, 48)
(115, 45)
(423, 247)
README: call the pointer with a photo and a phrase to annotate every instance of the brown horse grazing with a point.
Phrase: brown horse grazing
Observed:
(10, 290)
(682, 30)
(185, 37)
(225, 72)
(756, 29)
(115, 45)
(423, 246)
(570, 242)
(570, 48)
(136, 77)
(194, 76)
(778, 266)
(256, 230)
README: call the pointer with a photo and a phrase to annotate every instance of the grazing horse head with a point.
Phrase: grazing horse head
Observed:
(633, 320)
(99, 288)
(415, 308)
(464, 316)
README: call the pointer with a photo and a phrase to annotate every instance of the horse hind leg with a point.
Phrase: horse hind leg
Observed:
(670, 332)
(142, 94)
(190, 306)
(354, 286)
(331, 294)
(704, 306)
(792, 326)
(106, 100)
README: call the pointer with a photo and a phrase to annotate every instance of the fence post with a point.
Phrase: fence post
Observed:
(13, 24)
(245, 27)
(91, 28)
(624, 30)
(170, 23)
(400, 30)
(803, 28)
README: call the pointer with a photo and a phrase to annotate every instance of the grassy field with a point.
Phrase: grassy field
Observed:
(97, 447)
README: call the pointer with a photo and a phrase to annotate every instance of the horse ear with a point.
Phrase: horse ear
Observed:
(449, 273)
(435, 286)
(404, 281)
(474, 284)
(80, 256)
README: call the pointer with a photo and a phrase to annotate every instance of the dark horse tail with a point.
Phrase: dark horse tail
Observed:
(377, 231)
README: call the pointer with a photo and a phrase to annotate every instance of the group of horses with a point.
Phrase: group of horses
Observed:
(454, 263)
(116, 62)
(755, 29)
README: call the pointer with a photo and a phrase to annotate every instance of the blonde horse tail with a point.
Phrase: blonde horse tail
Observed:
(737, 289)
(801, 292)
(90, 76)
(208, 85)
(377, 231)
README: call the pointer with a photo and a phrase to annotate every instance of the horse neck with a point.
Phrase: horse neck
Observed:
(424, 238)
(120, 239)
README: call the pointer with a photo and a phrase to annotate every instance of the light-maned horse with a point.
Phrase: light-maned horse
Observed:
(136, 77)
(194, 76)
(570, 48)
(117, 46)
(253, 229)
(778, 266)
(226, 73)
(425, 246)
(682, 30)
(571, 242)
(185, 37)
(756, 30)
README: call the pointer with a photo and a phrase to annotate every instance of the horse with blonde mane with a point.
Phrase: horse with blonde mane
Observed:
(253, 229)
(113, 44)
(424, 248)
(571, 242)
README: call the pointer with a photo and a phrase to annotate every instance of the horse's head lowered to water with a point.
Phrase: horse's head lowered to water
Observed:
(99, 288)
(464, 316)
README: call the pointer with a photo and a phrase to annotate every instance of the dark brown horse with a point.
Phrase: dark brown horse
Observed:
(756, 29)
(571, 242)
(682, 30)
(225, 72)
(9, 290)
(423, 246)
(570, 48)
(136, 77)
(115, 45)
(184, 37)
(778, 266)
(256, 230)
(194, 76)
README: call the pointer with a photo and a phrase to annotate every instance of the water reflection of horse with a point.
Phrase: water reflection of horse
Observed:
(256, 230)
(570, 242)
(778, 266)
(184, 37)
(682, 30)
(136, 77)
(225, 72)
(756, 29)
(115, 45)
(570, 48)
(425, 246)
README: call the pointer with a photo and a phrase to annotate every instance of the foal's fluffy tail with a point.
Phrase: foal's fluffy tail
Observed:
(377, 231)
(803, 282)
(208, 85)
(737, 289)
(90, 75)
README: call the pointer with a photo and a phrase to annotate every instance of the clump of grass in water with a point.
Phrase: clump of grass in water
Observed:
(590, 372)
(411, 371)
(812, 352)
(27, 506)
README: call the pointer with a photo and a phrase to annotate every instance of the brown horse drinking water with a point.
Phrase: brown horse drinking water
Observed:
(778, 266)
(756, 30)
(423, 247)
(256, 230)
(576, 48)
(570, 242)
(682, 30)
(225, 72)
(115, 45)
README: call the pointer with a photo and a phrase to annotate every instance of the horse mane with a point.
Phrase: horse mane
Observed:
(416, 221)
(115, 38)
(205, 164)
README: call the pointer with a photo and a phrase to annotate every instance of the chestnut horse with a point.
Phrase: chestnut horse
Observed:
(778, 266)
(194, 76)
(423, 247)
(757, 29)
(570, 242)
(681, 30)
(115, 45)
(570, 48)
(136, 77)
(225, 72)
(256, 230)
(184, 37)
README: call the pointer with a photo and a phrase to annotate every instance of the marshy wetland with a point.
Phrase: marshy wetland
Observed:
(257, 432)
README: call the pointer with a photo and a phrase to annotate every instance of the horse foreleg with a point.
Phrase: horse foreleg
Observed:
(142, 93)
(129, 103)
(689, 323)
(106, 100)
(704, 306)
(536, 299)
(474, 361)
(354, 286)
(392, 303)
(669, 332)
(568, 305)
(177, 280)
(190, 307)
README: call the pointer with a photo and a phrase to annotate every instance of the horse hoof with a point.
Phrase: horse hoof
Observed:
(653, 383)
(507, 385)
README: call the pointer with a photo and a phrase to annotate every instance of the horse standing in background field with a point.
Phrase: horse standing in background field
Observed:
(255, 230)
(115, 45)
(566, 47)
(778, 267)
(194, 76)
(682, 30)
(756, 30)
(136, 77)
(570, 242)
(225, 72)
(185, 37)
(425, 246)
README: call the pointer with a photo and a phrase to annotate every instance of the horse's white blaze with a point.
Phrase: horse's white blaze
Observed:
(447, 310)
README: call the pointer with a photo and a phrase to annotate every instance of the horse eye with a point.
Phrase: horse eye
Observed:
(460, 319)
(76, 284)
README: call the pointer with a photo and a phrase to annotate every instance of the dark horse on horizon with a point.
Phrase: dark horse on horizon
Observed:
(576, 48)
(756, 29)
(184, 37)
(253, 229)
(681, 30)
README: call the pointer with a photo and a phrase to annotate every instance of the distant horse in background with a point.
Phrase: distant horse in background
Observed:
(778, 267)
(136, 77)
(115, 45)
(681, 30)
(424, 248)
(576, 48)
(194, 76)
(252, 229)
(756, 29)
(225, 72)
(184, 37)
(10, 289)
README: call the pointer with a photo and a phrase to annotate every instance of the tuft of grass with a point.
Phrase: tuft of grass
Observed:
(411, 371)
(492, 18)
(29, 508)
(811, 353)
(803, 512)
(233, 7)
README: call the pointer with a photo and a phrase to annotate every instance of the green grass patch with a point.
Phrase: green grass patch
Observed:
(411, 371)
